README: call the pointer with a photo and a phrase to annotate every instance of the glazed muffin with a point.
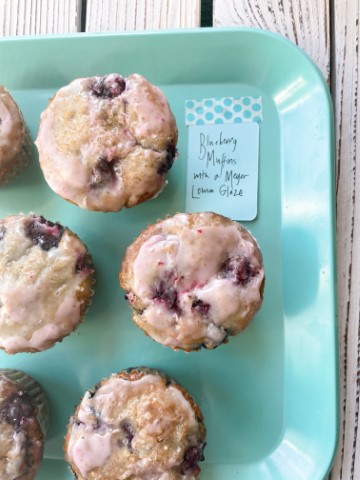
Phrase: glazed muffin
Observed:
(23, 425)
(15, 143)
(46, 277)
(138, 424)
(107, 142)
(193, 280)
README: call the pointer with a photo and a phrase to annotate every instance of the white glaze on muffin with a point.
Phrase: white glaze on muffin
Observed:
(45, 283)
(107, 142)
(193, 279)
(136, 425)
(14, 138)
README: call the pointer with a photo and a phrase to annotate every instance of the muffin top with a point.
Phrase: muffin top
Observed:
(193, 279)
(106, 142)
(21, 437)
(137, 424)
(45, 282)
(11, 128)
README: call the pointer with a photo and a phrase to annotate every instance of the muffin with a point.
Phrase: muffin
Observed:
(193, 280)
(46, 277)
(15, 143)
(23, 425)
(138, 424)
(107, 142)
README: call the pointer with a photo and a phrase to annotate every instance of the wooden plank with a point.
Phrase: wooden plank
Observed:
(33, 17)
(345, 82)
(141, 14)
(305, 22)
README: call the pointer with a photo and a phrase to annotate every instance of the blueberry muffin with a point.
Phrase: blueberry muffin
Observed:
(23, 425)
(138, 424)
(107, 142)
(46, 277)
(15, 143)
(193, 279)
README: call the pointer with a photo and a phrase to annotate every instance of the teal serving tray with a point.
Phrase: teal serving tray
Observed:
(269, 396)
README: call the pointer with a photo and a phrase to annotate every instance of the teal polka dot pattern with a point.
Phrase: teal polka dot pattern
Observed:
(223, 110)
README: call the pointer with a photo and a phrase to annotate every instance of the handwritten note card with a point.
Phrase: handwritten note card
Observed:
(222, 169)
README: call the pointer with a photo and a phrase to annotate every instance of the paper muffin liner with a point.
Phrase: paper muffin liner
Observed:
(35, 391)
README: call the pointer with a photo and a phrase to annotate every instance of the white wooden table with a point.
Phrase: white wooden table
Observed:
(328, 30)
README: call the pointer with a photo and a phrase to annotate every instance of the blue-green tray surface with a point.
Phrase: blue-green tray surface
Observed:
(269, 396)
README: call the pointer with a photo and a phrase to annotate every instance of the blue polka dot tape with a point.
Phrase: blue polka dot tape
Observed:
(223, 110)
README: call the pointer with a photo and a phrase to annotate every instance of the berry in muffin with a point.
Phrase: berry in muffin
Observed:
(46, 278)
(107, 142)
(137, 424)
(23, 425)
(15, 143)
(193, 280)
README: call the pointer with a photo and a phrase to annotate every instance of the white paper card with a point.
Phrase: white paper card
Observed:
(222, 169)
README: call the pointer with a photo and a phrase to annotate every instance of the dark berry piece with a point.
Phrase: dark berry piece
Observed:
(129, 435)
(103, 172)
(76, 421)
(165, 294)
(99, 425)
(92, 391)
(239, 269)
(44, 233)
(2, 232)
(109, 86)
(28, 446)
(192, 456)
(168, 382)
(200, 307)
(17, 410)
(165, 166)
(84, 265)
